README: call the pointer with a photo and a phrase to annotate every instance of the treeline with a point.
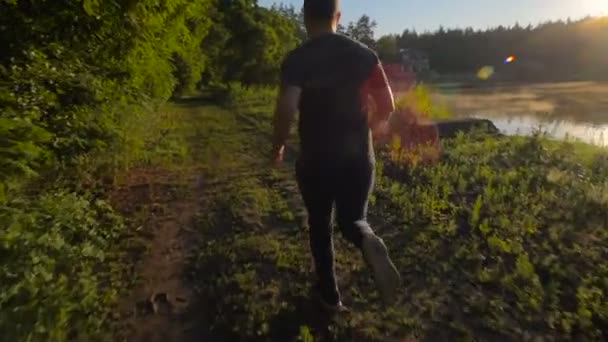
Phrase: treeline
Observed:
(567, 50)
(554, 50)
(81, 82)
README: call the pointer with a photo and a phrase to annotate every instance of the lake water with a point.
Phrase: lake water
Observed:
(574, 110)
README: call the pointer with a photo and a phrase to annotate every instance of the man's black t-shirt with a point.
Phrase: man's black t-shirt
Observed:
(332, 70)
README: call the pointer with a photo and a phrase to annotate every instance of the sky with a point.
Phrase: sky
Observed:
(393, 16)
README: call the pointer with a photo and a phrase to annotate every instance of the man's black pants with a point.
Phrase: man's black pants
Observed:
(348, 186)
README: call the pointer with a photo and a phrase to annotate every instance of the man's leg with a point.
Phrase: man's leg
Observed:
(318, 199)
(352, 196)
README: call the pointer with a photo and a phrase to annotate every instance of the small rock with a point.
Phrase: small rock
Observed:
(160, 304)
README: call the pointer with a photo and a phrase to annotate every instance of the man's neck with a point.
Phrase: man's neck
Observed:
(320, 31)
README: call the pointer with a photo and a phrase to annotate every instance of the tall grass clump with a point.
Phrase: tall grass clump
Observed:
(507, 234)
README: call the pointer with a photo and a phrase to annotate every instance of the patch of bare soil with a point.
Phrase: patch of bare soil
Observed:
(163, 205)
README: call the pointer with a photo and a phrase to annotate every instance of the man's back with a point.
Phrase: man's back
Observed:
(329, 79)
(332, 71)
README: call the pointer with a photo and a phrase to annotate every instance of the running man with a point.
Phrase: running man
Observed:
(329, 79)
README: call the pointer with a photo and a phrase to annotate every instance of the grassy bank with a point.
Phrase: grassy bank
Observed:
(67, 248)
(504, 239)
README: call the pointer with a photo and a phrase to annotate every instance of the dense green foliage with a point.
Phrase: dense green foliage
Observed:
(549, 51)
(80, 87)
(75, 73)
(248, 43)
(81, 74)
(58, 275)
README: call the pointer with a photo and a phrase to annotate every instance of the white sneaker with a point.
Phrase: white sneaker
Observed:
(334, 308)
(386, 276)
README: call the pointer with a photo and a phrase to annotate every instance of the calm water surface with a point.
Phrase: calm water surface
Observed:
(576, 110)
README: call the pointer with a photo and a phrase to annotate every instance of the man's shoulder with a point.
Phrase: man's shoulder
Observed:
(335, 44)
(358, 44)
(294, 54)
(335, 41)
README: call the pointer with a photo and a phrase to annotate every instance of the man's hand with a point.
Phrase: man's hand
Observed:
(286, 108)
(277, 155)
(378, 87)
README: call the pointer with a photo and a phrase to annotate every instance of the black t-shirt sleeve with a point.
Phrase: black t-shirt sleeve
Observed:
(374, 60)
(291, 71)
(374, 57)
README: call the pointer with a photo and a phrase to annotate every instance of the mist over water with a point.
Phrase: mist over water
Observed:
(573, 110)
(527, 125)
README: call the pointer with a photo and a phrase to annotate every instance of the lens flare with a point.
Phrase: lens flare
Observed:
(485, 72)
(510, 59)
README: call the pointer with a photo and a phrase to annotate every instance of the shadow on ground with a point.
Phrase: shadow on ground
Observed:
(199, 100)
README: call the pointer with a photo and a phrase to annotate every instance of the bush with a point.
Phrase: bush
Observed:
(418, 100)
(57, 279)
(239, 94)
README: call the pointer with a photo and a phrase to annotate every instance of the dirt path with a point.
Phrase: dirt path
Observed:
(163, 306)
(157, 305)
(227, 254)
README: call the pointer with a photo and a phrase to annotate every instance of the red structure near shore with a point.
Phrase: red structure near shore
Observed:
(414, 138)
(400, 78)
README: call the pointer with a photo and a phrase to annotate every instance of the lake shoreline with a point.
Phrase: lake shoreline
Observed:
(568, 109)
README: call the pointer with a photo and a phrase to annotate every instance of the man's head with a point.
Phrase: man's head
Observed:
(321, 15)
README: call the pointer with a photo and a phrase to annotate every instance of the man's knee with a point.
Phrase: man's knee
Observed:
(352, 229)
(363, 227)
(320, 225)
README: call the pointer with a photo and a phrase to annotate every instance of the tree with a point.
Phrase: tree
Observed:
(387, 48)
(550, 50)
(295, 17)
(362, 30)
(249, 42)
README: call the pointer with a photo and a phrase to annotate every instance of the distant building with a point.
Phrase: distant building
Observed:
(413, 69)
(415, 60)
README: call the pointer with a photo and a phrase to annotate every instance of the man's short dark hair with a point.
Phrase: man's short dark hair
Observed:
(320, 9)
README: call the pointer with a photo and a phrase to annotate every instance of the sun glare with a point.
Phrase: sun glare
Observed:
(596, 7)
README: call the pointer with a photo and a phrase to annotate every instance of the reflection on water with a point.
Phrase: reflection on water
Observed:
(527, 125)
(576, 110)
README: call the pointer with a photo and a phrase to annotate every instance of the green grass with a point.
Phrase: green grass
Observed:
(507, 235)
(66, 250)
(504, 239)
(62, 271)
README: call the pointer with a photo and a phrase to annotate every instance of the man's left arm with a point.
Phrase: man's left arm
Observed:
(284, 114)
